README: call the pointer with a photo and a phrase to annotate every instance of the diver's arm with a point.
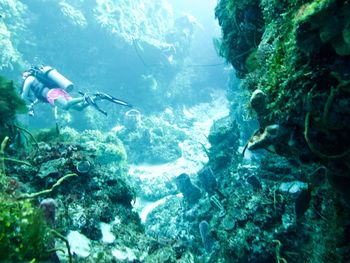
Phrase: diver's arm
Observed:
(25, 95)
(26, 88)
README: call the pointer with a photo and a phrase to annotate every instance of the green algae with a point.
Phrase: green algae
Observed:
(10, 105)
(309, 10)
(24, 235)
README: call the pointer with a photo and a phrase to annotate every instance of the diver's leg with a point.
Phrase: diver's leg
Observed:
(85, 103)
(62, 103)
(75, 104)
(79, 106)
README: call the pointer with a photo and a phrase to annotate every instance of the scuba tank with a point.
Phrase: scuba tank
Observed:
(51, 78)
(54, 76)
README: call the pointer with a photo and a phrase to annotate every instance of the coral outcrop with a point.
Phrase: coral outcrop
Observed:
(98, 194)
(293, 57)
(300, 63)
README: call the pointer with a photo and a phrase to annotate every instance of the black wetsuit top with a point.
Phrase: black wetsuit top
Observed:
(39, 89)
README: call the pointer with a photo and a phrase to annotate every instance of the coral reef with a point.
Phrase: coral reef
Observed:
(224, 138)
(242, 26)
(103, 193)
(157, 138)
(298, 58)
(24, 233)
(289, 204)
(293, 60)
(10, 33)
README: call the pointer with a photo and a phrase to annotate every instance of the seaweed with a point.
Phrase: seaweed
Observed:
(10, 105)
(24, 234)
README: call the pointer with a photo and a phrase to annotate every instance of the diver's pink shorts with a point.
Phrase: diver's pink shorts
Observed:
(54, 94)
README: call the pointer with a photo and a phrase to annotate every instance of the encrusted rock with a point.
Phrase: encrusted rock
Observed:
(51, 167)
(294, 188)
(272, 134)
(254, 182)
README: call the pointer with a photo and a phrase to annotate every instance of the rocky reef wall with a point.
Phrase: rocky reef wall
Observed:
(293, 58)
(294, 55)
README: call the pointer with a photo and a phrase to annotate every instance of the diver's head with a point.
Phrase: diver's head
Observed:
(25, 74)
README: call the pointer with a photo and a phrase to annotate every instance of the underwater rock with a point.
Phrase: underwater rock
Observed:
(119, 192)
(317, 22)
(79, 244)
(107, 235)
(153, 188)
(302, 67)
(254, 182)
(180, 37)
(84, 203)
(221, 130)
(293, 188)
(91, 228)
(77, 215)
(191, 193)
(224, 140)
(124, 254)
(13, 22)
(51, 167)
(107, 148)
(242, 26)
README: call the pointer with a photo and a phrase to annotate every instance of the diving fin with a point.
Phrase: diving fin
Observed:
(110, 98)
(90, 101)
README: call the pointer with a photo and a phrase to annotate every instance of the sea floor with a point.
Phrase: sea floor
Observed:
(201, 118)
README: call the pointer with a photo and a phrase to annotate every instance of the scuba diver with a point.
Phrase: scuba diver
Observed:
(47, 85)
